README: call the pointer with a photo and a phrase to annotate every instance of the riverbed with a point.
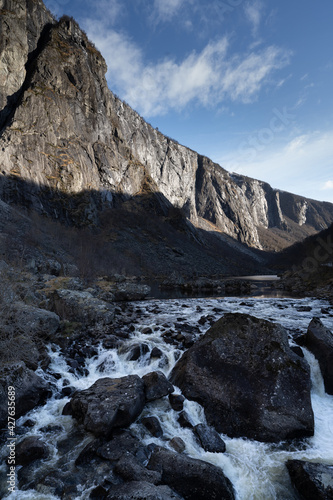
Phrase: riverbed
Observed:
(257, 470)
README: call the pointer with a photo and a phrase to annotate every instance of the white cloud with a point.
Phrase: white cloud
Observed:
(328, 185)
(253, 14)
(297, 144)
(304, 166)
(209, 77)
(164, 10)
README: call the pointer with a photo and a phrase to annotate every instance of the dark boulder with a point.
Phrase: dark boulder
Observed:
(130, 469)
(108, 404)
(152, 424)
(30, 390)
(156, 385)
(184, 420)
(30, 449)
(319, 340)
(177, 444)
(192, 479)
(209, 439)
(141, 490)
(311, 480)
(122, 442)
(176, 401)
(248, 380)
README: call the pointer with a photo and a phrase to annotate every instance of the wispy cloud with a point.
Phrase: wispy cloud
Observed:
(303, 166)
(208, 77)
(328, 185)
(164, 10)
(253, 12)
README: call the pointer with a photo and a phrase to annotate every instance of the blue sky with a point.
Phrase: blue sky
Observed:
(247, 83)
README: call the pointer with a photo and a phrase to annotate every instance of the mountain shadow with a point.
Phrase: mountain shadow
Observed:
(104, 233)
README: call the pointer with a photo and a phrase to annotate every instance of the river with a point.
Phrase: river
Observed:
(257, 470)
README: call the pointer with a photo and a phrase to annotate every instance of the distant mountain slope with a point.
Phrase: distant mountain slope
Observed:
(307, 266)
(67, 133)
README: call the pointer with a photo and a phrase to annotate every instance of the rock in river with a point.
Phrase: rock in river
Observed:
(192, 479)
(311, 480)
(108, 404)
(319, 340)
(248, 380)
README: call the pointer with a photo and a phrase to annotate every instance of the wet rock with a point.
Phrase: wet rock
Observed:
(156, 353)
(30, 389)
(51, 428)
(192, 479)
(89, 452)
(141, 490)
(156, 385)
(176, 401)
(98, 493)
(130, 469)
(184, 420)
(311, 480)
(67, 391)
(121, 442)
(177, 444)
(147, 331)
(209, 439)
(109, 403)
(111, 342)
(30, 449)
(152, 424)
(137, 351)
(249, 381)
(319, 340)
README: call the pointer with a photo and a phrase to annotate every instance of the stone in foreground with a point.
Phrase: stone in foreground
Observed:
(108, 404)
(311, 480)
(249, 381)
(192, 479)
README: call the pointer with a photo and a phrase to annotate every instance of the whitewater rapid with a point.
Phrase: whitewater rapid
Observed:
(256, 470)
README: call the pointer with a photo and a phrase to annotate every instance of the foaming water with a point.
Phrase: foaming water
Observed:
(257, 470)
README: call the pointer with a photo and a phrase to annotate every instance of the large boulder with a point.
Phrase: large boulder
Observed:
(156, 385)
(30, 390)
(30, 449)
(108, 404)
(319, 340)
(192, 479)
(81, 306)
(311, 480)
(248, 380)
(141, 490)
(35, 321)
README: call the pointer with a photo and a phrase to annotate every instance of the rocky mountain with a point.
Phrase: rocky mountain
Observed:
(71, 149)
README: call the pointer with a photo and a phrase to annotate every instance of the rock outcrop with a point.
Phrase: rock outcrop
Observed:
(311, 480)
(248, 380)
(77, 147)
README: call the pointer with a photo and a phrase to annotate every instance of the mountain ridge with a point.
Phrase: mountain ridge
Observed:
(62, 128)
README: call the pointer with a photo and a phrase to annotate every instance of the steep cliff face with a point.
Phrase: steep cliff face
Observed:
(66, 133)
